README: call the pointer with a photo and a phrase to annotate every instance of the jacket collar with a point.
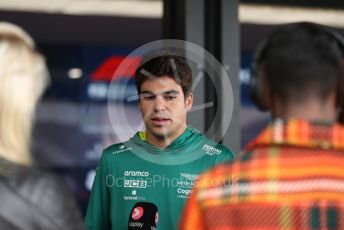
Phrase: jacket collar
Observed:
(189, 134)
(301, 133)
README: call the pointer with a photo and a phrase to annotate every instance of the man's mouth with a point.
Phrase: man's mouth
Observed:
(159, 121)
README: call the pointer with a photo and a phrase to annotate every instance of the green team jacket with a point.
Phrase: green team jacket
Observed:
(136, 171)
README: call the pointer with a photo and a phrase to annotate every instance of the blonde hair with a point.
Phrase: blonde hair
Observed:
(23, 78)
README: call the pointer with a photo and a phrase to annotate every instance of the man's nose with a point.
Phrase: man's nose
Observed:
(159, 104)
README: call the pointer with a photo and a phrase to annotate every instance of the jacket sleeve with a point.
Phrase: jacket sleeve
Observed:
(98, 210)
(57, 206)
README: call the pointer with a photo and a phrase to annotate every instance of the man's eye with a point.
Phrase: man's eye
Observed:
(148, 98)
(168, 98)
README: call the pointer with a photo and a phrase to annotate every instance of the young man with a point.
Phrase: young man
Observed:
(159, 166)
(291, 175)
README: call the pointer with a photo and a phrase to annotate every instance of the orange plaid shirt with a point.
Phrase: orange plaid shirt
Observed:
(290, 177)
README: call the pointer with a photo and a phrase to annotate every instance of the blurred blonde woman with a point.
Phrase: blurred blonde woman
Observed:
(29, 198)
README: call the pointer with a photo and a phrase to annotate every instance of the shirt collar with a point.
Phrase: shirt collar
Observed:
(301, 133)
(180, 141)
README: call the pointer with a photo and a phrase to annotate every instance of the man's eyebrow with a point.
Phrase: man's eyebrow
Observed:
(171, 92)
(146, 92)
(164, 92)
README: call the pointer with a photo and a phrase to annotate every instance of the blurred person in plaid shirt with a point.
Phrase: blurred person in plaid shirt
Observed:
(292, 175)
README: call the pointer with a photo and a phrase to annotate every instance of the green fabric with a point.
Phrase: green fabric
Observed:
(332, 218)
(315, 218)
(136, 171)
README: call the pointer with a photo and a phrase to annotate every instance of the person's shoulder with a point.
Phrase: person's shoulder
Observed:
(28, 178)
(218, 176)
(47, 195)
(224, 149)
(36, 184)
(33, 181)
(116, 149)
(53, 198)
(213, 148)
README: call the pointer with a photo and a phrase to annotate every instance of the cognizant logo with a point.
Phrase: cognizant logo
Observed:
(185, 192)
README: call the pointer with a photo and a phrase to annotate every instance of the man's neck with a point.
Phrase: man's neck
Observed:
(309, 110)
(163, 141)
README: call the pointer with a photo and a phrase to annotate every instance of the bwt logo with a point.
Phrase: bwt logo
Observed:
(135, 184)
(210, 150)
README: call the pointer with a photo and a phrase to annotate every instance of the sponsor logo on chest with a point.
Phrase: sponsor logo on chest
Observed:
(134, 180)
(210, 150)
(121, 149)
(135, 184)
(185, 184)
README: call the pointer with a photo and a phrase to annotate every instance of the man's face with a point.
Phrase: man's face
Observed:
(164, 108)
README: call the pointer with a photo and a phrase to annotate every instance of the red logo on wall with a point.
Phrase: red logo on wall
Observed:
(108, 70)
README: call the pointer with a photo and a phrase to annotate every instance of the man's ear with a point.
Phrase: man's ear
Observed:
(265, 88)
(189, 101)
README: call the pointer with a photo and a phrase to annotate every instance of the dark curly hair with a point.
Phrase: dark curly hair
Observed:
(173, 66)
